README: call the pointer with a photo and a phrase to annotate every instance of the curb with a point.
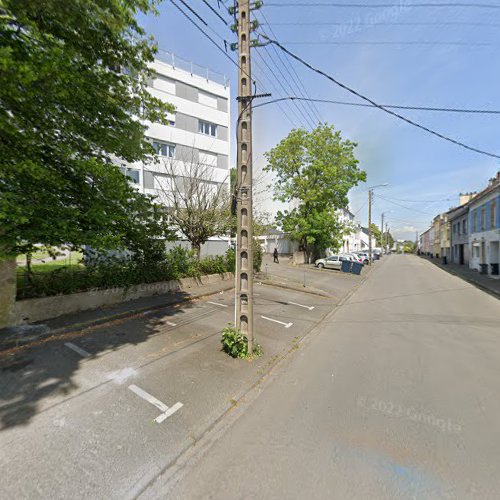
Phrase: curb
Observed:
(296, 288)
(172, 473)
(7, 346)
(471, 281)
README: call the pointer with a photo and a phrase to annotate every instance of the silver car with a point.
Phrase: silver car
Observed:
(333, 262)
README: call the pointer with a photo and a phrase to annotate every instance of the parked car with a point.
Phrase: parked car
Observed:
(361, 258)
(332, 262)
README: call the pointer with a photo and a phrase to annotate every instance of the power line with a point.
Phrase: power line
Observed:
(300, 84)
(390, 106)
(279, 82)
(273, 86)
(403, 206)
(385, 5)
(330, 23)
(215, 12)
(302, 110)
(386, 110)
(394, 43)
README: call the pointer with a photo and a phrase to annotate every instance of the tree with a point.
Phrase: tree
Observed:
(314, 171)
(198, 205)
(73, 97)
(409, 246)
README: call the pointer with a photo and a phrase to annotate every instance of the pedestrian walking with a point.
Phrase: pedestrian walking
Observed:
(275, 255)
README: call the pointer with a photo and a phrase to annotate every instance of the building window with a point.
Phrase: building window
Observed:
(164, 149)
(493, 214)
(132, 173)
(483, 219)
(474, 221)
(454, 229)
(464, 226)
(207, 128)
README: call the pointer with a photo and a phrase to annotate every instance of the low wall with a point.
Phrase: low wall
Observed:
(40, 309)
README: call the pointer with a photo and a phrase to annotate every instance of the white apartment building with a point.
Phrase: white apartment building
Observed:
(198, 131)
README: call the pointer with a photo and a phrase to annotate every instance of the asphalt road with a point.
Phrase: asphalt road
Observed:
(102, 412)
(394, 396)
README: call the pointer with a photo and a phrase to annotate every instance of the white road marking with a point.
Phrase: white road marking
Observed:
(82, 352)
(169, 323)
(286, 325)
(169, 412)
(217, 304)
(147, 312)
(300, 305)
(166, 411)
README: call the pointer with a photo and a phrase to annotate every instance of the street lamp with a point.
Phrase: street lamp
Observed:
(370, 196)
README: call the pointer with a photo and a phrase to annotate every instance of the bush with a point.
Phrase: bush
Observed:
(257, 256)
(235, 344)
(176, 264)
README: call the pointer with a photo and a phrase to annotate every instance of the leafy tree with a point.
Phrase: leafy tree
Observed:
(314, 170)
(68, 107)
(409, 246)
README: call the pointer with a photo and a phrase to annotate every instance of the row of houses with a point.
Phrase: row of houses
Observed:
(468, 234)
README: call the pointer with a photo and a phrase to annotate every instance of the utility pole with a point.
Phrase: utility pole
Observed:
(244, 233)
(370, 195)
(382, 231)
(386, 237)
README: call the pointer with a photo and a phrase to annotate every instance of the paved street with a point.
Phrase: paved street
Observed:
(394, 396)
(101, 412)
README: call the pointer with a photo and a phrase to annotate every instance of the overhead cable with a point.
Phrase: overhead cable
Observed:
(371, 101)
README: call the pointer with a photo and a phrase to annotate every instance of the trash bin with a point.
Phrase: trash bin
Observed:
(494, 269)
(346, 266)
(483, 268)
(356, 268)
(445, 260)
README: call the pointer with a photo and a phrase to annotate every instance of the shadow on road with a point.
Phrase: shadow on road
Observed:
(45, 369)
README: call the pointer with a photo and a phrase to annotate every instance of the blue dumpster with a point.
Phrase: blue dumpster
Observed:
(356, 268)
(346, 266)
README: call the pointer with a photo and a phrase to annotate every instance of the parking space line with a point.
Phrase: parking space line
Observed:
(286, 325)
(166, 411)
(300, 305)
(169, 412)
(217, 304)
(82, 352)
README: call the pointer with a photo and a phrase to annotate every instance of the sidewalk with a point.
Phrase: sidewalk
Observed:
(485, 283)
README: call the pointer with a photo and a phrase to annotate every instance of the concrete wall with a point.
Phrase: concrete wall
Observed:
(31, 310)
(211, 248)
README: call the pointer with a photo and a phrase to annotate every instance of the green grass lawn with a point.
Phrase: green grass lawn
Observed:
(49, 264)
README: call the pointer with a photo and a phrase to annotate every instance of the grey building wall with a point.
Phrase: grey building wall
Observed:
(186, 122)
(148, 179)
(221, 133)
(222, 161)
(186, 91)
(222, 104)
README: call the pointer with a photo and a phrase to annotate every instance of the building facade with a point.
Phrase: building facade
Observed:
(458, 218)
(198, 132)
(484, 224)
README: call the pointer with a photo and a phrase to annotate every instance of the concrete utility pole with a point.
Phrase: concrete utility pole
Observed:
(370, 196)
(244, 233)
(382, 231)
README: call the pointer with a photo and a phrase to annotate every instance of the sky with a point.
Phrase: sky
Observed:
(397, 54)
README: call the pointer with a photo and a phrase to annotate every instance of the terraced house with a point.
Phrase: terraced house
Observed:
(484, 223)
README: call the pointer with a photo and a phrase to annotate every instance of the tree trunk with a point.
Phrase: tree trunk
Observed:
(196, 247)
(7, 291)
